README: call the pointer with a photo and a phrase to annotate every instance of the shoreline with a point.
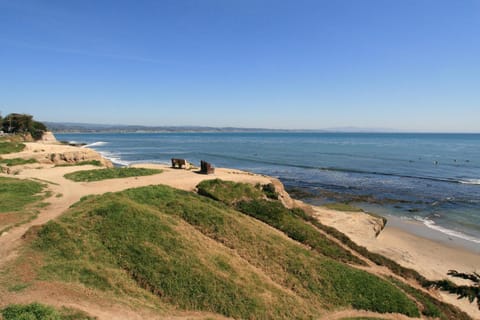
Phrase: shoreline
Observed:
(419, 229)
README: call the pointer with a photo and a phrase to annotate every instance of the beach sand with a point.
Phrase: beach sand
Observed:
(431, 258)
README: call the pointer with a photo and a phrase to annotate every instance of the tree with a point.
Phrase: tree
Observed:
(23, 123)
(471, 292)
(37, 129)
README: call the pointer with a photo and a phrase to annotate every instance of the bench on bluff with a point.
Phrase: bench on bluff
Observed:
(206, 168)
(180, 163)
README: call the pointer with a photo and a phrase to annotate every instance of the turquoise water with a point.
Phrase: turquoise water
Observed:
(432, 178)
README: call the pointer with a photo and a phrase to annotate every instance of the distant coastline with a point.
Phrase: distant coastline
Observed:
(73, 127)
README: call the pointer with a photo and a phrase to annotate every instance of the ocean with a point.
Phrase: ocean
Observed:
(430, 178)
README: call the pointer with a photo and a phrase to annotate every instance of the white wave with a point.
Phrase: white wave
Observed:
(470, 181)
(95, 144)
(115, 158)
(432, 225)
(156, 161)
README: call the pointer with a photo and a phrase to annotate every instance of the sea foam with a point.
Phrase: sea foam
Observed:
(432, 225)
(470, 181)
(95, 144)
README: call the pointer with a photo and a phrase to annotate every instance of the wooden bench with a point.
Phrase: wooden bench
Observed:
(180, 163)
(206, 168)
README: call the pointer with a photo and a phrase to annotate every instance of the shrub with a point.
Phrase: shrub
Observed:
(81, 163)
(270, 192)
(17, 161)
(110, 173)
(34, 311)
(37, 311)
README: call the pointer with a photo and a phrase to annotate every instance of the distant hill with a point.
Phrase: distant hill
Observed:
(62, 127)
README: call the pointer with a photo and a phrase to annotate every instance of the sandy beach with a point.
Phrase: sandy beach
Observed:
(431, 258)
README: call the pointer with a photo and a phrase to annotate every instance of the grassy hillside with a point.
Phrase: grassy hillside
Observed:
(189, 252)
(19, 201)
(299, 226)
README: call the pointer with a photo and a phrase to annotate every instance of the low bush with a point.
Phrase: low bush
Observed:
(228, 192)
(81, 163)
(430, 306)
(37, 311)
(110, 173)
(17, 161)
(34, 311)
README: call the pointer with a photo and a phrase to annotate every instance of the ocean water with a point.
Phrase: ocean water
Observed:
(430, 178)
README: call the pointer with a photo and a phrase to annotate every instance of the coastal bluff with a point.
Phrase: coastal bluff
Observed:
(51, 152)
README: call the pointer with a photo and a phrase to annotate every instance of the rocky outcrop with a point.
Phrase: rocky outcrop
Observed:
(285, 198)
(58, 154)
(48, 137)
(72, 157)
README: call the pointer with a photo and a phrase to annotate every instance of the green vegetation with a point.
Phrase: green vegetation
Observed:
(273, 213)
(270, 192)
(471, 292)
(15, 194)
(195, 253)
(18, 287)
(374, 257)
(110, 173)
(10, 147)
(276, 215)
(342, 207)
(250, 200)
(431, 307)
(37, 311)
(21, 124)
(17, 161)
(81, 163)
(19, 201)
(229, 192)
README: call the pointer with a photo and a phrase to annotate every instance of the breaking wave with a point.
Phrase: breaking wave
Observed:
(470, 181)
(432, 225)
(95, 144)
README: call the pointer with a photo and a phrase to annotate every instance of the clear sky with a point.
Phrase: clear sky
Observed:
(402, 64)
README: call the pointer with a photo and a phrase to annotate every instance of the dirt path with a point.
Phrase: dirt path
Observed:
(337, 315)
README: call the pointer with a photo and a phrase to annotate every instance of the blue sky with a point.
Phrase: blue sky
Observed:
(403, 64)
